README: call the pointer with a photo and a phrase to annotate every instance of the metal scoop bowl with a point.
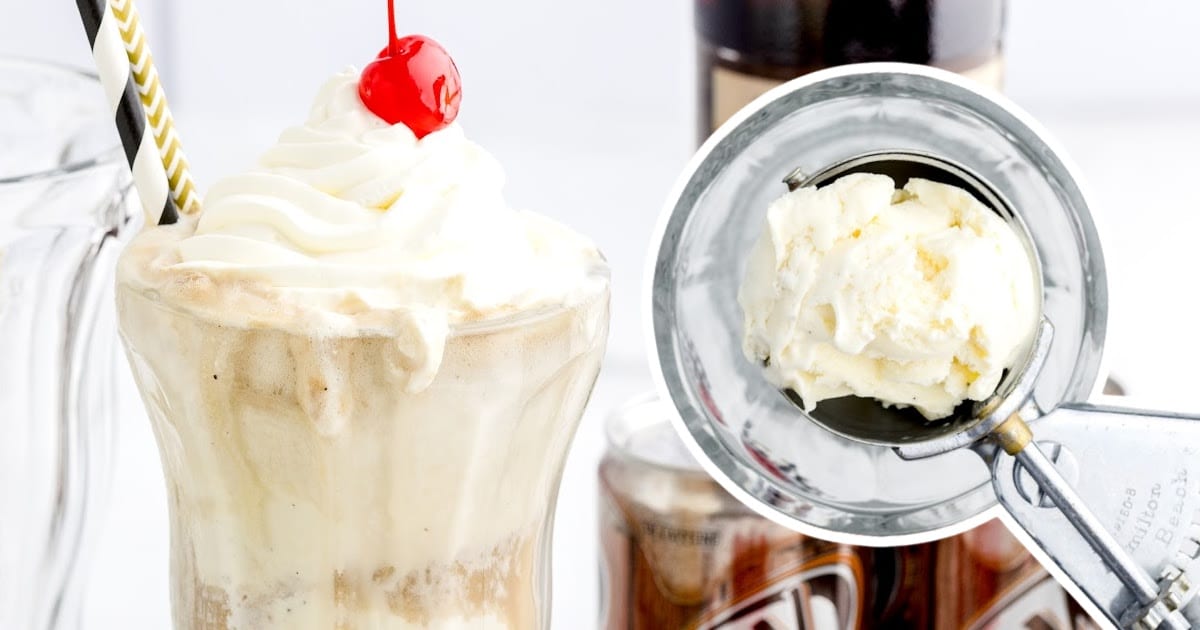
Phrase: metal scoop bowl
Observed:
(914, 436)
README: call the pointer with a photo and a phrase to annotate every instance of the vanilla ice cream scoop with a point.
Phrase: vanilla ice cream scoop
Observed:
(919, 297)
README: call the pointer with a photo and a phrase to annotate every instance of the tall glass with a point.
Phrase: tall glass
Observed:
(310, 489)
(65, 205)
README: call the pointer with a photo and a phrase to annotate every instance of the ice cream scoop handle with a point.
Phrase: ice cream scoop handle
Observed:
(1064, 497)
(1113, 498)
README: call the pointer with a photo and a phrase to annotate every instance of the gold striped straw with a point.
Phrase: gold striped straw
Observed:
(154, 100)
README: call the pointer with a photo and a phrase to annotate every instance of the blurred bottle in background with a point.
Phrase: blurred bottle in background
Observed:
(747, 47)
(680, 553)
(985, 579)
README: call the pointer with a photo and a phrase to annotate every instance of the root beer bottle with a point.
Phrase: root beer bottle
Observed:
(746, 47)
(680, 553)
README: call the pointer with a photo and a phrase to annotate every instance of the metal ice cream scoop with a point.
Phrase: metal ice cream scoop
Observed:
(1002, 418)
(1112, 496)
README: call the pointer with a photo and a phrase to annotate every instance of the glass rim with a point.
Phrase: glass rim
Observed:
(597, 272)
(105, 157)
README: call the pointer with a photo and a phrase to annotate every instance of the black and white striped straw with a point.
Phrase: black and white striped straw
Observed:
(134, 93)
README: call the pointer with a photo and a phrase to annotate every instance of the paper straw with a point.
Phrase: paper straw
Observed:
(154, 100)
(160, 201)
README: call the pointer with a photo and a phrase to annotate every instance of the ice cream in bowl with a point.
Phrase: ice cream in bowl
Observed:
(912, 294)
(918, 296)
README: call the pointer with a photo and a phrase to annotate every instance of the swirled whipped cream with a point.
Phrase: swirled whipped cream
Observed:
(349, 223)
(347, 203)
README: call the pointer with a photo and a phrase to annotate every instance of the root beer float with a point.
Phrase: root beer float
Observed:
(364, 370)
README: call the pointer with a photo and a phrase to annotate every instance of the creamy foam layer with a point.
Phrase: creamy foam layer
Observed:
(350, 224)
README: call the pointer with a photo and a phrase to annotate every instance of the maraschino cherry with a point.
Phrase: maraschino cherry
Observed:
(412, 81)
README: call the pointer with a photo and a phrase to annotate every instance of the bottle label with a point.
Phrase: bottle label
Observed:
(1034, 602)
(733, 90)
(825, 592)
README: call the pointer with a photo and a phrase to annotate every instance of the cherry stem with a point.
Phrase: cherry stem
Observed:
(392, 39)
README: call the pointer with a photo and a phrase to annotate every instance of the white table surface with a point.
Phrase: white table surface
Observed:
(1143, 177)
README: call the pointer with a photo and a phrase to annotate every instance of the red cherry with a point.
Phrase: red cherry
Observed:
(415, 82)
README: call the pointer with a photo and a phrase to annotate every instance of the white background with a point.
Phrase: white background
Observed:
(588, 105)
